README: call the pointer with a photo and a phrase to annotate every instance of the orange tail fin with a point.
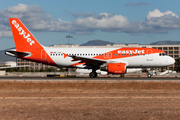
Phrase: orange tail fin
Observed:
(26, 42)
(22, 37)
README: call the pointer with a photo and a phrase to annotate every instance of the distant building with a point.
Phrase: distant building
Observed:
(10, 63)
(33, 65)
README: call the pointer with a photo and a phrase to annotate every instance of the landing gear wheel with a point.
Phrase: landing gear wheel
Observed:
(93, 74)
(149, 75)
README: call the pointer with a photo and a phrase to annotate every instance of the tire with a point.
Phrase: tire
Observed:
(149, 75)
(93, 74)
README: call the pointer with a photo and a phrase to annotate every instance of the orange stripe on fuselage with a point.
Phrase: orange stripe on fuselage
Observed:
(127, 52)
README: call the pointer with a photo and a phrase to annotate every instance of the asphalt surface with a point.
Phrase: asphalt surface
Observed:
(87, 78)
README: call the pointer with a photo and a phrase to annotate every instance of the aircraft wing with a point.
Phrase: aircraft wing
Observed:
(76, 58)
(88, 62)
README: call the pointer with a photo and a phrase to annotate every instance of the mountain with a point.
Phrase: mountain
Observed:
(97, 43)
(103, 43)
(166, 43)
(4, 58)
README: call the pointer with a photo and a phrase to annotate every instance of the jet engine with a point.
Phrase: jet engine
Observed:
(114, 68)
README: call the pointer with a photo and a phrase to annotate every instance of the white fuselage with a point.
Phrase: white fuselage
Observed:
(136, 61)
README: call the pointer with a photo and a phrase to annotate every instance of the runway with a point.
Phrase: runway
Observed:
(111, 97)
(35, 78)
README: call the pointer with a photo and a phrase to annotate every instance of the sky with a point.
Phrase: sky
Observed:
(118, 21)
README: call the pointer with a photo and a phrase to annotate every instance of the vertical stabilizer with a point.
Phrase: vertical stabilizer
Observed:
(22, 36)
(26, 43)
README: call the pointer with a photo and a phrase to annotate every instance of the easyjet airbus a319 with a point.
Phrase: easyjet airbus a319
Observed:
(112, 60)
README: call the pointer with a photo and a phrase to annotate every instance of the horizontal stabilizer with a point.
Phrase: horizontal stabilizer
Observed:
(15, 53)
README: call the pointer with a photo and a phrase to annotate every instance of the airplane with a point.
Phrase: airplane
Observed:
(112, 60)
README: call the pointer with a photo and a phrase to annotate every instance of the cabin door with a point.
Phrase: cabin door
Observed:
(43, 55)
(149, 55)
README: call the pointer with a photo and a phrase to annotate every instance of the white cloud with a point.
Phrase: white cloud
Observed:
(36, 19)
(103, 21)
(5, 34)
(156, 13)
(161, 21)
(156, 22)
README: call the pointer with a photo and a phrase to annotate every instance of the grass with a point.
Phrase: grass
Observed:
(80, 86)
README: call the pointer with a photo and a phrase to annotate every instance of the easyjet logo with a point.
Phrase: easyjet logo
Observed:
(136, 51)
(23, 33)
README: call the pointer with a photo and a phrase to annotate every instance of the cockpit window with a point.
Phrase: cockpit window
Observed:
(162, 54)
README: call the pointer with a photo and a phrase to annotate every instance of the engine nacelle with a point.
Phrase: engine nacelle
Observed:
(116, 68)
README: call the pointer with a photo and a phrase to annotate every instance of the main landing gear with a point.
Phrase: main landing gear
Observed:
(93, 74)
(148, 74)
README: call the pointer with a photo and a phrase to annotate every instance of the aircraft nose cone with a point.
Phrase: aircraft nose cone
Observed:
(172, 61)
